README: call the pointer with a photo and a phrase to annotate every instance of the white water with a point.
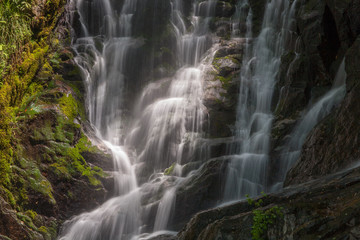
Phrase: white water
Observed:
(242, 20)
(247, 169)
(169, 117)
(313, 115)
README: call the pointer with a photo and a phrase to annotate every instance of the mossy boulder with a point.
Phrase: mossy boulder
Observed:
(221, 88)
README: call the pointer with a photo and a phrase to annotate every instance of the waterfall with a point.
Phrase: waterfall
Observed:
(150, 149)
(312, 116)
(246, 172)
(243, 14)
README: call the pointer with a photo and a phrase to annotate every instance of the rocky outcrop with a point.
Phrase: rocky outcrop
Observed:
(334, 143)
(202, 190)
(327, 208)
(326, 33)
(221, 88)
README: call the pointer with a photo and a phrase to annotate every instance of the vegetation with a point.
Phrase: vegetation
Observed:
(37, 108)
(15, 31)
(169, 170)
(263, 218)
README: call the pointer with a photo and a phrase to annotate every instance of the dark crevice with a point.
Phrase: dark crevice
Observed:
(330, 43)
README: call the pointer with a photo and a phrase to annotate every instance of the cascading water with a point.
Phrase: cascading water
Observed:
(168, 116)
(242, 20)
(247, 168)
(313, 115)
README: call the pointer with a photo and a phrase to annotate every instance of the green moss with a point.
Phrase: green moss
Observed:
(79, 164)
(27, 176)
(72, 162)
(27, 220)
(169, 170)
(43, 230)
(75, 72)
(10, 197)
(32, 214)
(49, 231)
(225, 81)
(60, 169)
(45, 133)
(216, 63)
(69, 106)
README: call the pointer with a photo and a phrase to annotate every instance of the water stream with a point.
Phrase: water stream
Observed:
(167, 118)
(250, 154)
(313, 115)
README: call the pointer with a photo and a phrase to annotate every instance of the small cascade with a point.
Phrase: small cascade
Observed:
(103, 50)
(170, 121)
(247, 169)
(243, 14)
(313, 115)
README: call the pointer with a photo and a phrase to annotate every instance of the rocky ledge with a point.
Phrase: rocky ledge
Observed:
(326, 208)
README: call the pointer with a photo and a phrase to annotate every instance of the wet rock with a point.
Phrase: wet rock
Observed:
(327, 208)
(10, 226)
(201, 190)
(224, 9)
(258, 8)
(334, 143)
(151, 18)
(221, 88)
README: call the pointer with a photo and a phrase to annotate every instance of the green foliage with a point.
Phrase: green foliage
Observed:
(15, 19)
(263, 218)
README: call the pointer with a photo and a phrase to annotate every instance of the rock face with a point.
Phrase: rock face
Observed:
(327, 208)
(333, 144)
(201, 191)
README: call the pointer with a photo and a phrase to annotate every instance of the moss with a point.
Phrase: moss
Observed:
(49, 231)
(225, 81)
(69, 106)
(32, 214)
(30, 177)
(10, 197)
(79, 164)
(169, 170)
(27, 220)
(45, 133)
(60, 169)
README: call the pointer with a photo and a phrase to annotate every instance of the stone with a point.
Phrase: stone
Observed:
(334, 143)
